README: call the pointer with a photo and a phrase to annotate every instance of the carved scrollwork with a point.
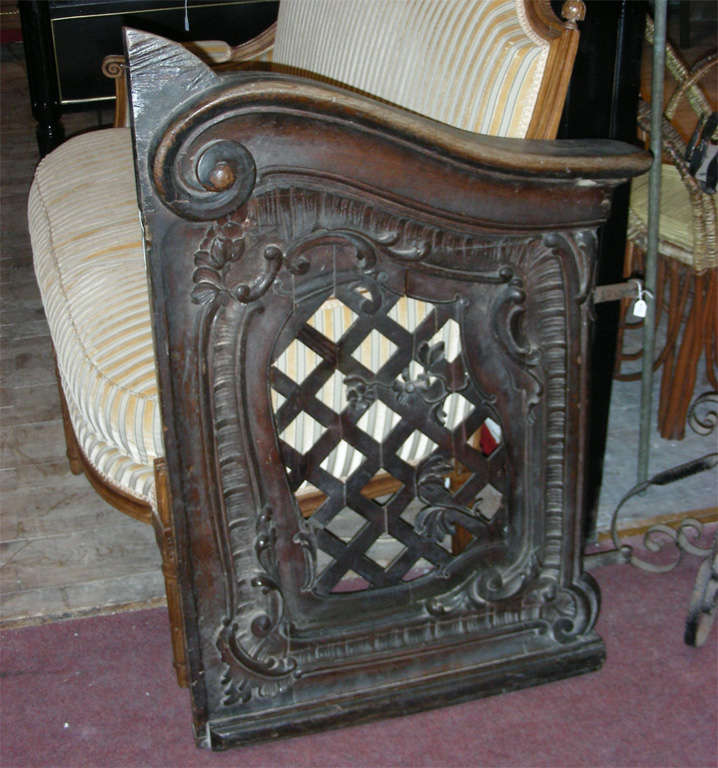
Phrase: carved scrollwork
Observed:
(255, 642)
(205, 182)
(491, 586)
(440, 515)
(212, 279)
(495, 584)
(360, 393)
(572, 610)
(573, 11)
(579, 245)
(431, 386)
(284, 243)
(508, 318)
(398, 240)
(306, 540)
(222, 245)
(114, 67)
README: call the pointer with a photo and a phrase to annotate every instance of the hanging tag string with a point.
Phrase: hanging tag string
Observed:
(640, 306)
(186, 16)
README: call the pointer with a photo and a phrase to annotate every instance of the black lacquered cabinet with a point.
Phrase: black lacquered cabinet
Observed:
(66, 41)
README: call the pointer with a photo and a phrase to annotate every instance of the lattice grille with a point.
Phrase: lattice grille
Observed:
(384, 422)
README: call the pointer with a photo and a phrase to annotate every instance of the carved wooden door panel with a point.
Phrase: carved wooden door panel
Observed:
(343, 319)
(306, 600)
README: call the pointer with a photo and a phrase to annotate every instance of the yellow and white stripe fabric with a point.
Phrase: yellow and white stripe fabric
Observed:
(474, 64)
(87, 248)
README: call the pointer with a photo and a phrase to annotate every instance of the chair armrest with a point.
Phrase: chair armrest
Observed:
(264, 195)
(279, 118)
(113, 67)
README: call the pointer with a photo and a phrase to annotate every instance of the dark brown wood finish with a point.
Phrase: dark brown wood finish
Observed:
(262, 197)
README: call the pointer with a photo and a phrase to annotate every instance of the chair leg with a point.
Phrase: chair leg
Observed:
(74, 455)
(162, 522)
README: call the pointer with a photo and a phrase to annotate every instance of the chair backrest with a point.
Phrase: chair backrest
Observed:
(499, 67)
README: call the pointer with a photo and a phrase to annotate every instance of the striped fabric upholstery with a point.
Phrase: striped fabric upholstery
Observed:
(87, 249)
(91, 272)
(474, 64)
(87, 239)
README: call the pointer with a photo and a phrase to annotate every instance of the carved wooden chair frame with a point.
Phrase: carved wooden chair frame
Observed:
(544, 124)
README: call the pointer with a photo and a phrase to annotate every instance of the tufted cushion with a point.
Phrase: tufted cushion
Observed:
(431, 57)
(87, 249)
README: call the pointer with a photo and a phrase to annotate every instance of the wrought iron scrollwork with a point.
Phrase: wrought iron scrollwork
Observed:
(704, 600)
(683, 538)
(703, 414)
(658, 536)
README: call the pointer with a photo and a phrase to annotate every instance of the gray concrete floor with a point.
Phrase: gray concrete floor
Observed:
(698, 492)
(63, 551)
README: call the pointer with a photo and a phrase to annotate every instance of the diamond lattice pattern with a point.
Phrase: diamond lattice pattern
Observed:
(375, 410)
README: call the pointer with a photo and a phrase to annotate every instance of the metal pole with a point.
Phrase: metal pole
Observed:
(654, 199)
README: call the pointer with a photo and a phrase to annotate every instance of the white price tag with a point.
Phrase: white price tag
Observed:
(640, 307)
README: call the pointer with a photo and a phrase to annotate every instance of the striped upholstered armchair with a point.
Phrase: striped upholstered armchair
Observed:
(332, 216)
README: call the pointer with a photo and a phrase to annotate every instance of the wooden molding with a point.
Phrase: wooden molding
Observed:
(114, 68)
(559, 65)
(164, 531)
(255, 47)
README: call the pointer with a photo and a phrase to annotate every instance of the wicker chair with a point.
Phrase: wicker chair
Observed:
(687, 278)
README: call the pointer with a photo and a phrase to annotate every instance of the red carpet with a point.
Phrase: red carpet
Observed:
(100, 692)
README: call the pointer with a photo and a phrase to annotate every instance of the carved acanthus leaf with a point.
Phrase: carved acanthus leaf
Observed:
(254, 643)
(440, 514)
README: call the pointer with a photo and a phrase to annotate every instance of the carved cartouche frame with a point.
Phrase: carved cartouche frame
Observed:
(260, 194)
